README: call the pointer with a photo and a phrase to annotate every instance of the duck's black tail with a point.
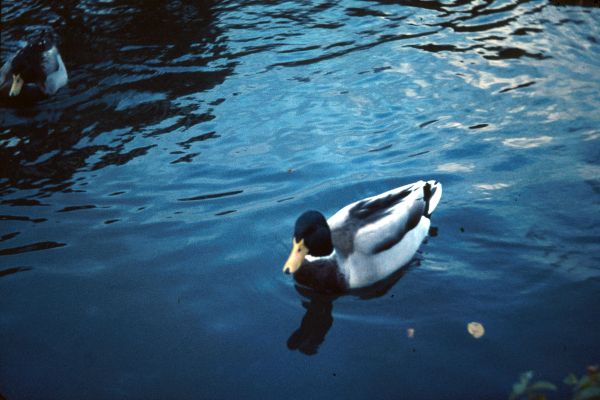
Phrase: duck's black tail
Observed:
(432, 193)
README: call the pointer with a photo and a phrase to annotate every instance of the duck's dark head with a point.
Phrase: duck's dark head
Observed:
(312, 236)
(27, 65)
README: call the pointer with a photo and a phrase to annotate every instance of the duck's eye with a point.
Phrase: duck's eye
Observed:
(298, 251)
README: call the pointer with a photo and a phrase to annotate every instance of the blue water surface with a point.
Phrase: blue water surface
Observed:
(147, 209)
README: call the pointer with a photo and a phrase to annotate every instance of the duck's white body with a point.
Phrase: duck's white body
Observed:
(374, 237)
(56, 72)
(363, 266)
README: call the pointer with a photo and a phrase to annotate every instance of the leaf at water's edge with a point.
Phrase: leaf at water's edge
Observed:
(571, 380)
(520, 387)
(584, 382)
(542, 385)
(589, 393)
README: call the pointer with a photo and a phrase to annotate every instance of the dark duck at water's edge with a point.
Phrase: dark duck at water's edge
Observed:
(365, 241)
(38, 64)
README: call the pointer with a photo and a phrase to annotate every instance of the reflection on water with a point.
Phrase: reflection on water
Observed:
(132, 84)
(581, 3)
(314, 326)
(318, 318)
(142, 207)
(125, 78)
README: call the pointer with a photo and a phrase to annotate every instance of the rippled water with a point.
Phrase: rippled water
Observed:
(148, 207)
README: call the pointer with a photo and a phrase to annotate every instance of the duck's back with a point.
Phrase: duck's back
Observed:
(376, 236)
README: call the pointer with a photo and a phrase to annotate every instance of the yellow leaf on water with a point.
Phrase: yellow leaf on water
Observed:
(476, 329)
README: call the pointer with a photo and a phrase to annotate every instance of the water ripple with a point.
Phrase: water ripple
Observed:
(153, 199)
(14, 270)
(211, 196)
(31, 247)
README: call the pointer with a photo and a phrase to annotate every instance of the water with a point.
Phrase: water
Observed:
(147, 209)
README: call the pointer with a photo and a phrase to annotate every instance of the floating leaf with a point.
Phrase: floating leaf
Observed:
(476, 329)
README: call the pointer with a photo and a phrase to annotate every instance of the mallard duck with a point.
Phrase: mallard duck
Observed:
(365, 241)
(38, 63)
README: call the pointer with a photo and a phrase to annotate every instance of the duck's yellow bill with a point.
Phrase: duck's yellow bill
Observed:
(17, 85)
(294, 261)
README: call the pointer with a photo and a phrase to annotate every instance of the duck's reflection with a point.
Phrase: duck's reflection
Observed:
(315, 324)
(318, 318)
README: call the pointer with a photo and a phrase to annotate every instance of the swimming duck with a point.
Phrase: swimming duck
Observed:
(38, 63)
(365, 241)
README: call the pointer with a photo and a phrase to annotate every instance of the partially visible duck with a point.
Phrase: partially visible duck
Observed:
(365, 241)
(38, 63)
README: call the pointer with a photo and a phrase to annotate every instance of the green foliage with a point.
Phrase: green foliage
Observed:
(585, 388)
(525, 389)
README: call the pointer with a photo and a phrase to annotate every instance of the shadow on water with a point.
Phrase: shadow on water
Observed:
(13, 270)
(580, 3)
(318, 319)
(461, 17)
(131, 68)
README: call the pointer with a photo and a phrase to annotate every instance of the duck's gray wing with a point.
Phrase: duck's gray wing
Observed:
(50, 60)
(377, 223)
(388, 230)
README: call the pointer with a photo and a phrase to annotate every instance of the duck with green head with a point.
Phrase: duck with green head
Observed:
(365, 241)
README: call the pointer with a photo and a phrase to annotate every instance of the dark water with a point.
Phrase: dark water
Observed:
(147, 209)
